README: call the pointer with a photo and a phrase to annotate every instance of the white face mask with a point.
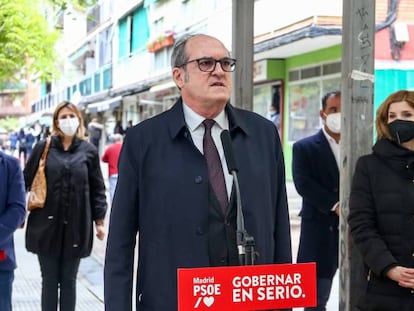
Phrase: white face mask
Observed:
(333, 122)
(69, 126)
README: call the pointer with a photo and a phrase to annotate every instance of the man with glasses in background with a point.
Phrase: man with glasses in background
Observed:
(174, 188)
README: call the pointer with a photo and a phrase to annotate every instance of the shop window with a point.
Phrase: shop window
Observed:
(267, 102)
(311, 72)
(332, 68)
(294, 75)
(305, 104)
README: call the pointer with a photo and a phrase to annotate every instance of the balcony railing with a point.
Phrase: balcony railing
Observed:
(94, 83)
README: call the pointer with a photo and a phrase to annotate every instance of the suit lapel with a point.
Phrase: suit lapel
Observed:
(329, 158)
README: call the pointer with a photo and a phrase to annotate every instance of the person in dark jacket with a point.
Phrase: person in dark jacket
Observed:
(61, 233)
(22, 142)
(118, 129)
(95, 132)
(12, 212)
(382, 208)
(165, 192)
(315, 169)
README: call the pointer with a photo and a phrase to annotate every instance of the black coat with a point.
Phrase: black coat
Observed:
(163, 193)
(382, 223)
(75, 198)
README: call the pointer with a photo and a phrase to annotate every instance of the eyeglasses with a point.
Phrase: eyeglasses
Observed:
(208, 64)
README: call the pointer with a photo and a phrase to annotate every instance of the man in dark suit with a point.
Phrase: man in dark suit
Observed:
(12, 213)
(164, 192)
(316, 176)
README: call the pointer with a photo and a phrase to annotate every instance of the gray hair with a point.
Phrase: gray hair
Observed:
(179, 55)
(117, 138)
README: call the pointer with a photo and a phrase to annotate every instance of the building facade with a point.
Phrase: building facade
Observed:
(117, 60)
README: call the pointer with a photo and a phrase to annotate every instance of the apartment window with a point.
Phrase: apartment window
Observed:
(162, 59)
(93, 18)
(123, 48)
(105, 46)
(133, 32)
(139, 29)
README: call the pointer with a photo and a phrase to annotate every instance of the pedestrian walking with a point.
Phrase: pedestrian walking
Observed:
(111, 156)
(22, 144)
(61, 233)
(95, 132)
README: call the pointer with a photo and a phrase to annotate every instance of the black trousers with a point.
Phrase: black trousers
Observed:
(58, 282)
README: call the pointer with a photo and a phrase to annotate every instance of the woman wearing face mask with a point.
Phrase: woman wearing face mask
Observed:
(382, 208)
(61, 233)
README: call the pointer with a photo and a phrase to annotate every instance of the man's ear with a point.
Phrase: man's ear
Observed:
(322, 114)
(178, 77)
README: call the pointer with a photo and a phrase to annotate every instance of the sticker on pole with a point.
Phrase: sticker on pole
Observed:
(260, 287)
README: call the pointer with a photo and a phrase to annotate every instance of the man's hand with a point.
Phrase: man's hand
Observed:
(336, 208)
(100, 231)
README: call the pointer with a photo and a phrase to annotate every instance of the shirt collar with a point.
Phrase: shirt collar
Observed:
(329, 137)
(194, 120)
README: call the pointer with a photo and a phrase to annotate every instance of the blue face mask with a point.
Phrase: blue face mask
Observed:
(401, 130)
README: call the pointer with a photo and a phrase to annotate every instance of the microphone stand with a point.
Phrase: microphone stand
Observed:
(245, 242)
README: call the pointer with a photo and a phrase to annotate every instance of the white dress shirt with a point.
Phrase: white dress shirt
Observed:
(196, 128)
(335, 147)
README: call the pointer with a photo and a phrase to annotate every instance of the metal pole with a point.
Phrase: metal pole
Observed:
(242, 50)
(356, 138)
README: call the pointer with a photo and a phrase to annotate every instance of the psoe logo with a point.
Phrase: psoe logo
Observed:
(205, 290)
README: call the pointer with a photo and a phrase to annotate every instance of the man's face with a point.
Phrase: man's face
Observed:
(333, 105)
(205, 92)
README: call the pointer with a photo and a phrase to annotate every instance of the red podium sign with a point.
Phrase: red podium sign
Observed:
(261, 287)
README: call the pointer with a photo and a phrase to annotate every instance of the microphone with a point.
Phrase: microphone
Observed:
(245, 242)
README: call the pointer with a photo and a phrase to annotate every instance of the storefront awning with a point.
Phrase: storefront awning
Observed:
(43, 117)
(162, 86)
(105, 105)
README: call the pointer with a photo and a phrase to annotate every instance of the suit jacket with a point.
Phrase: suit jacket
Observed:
(12, 208)
(316, 178)
(163, 193)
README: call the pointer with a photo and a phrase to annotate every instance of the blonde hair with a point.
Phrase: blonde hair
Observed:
(80, 133)
(381, 122)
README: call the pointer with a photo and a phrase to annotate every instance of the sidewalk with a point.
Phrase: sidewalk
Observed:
(295, 202)
(27, 284)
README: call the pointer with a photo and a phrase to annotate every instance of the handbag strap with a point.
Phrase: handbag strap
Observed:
(46, 149)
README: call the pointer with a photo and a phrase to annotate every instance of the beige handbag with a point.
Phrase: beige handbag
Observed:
(38, 189)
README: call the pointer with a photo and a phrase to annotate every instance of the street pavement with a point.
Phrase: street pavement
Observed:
(27, 283)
